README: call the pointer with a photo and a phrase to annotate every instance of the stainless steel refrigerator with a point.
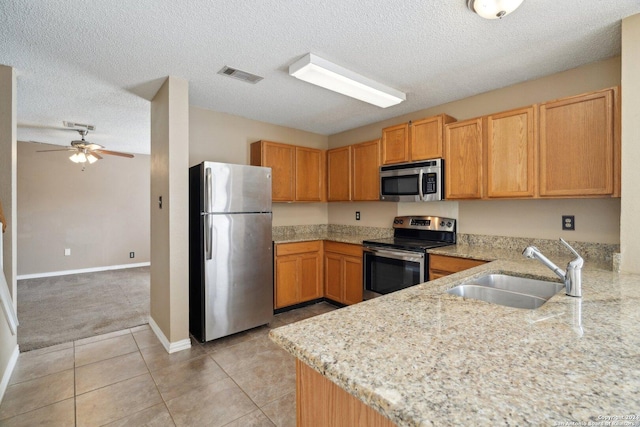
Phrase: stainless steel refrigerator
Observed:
(230, 249)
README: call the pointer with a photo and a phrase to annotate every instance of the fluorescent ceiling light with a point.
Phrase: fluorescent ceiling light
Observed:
(493, 9)
(313, 69)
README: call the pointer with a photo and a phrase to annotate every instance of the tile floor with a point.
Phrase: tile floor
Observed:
(126, 378)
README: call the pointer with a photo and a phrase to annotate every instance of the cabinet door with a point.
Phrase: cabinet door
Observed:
(511, 144)
(463, 160)
(443, 265)
(280, 158)
(395, 144)
(352, 280)
(286, 280)
(333, 276)
(310, 284)
(577, 145)
(339, 174)
(366, 170)
(426, 137)
(309, 167)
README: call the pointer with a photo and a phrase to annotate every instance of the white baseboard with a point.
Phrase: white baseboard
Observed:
(171, 347)
(6, 375)
(82, 270)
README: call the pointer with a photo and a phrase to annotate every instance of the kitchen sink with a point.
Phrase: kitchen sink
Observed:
(511, 291)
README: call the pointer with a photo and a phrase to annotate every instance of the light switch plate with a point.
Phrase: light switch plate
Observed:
(67, 251)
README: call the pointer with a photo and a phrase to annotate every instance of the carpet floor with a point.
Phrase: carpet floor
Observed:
(59, 309)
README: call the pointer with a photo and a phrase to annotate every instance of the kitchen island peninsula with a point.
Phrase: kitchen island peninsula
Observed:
(423, 357)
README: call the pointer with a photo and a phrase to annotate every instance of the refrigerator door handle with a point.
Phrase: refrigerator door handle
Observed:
(208, 237)
(207, 190)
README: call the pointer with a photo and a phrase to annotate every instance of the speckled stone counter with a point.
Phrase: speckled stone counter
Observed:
(336, 233)
(423, 357)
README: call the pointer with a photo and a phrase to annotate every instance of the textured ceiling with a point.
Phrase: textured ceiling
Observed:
(99, 61)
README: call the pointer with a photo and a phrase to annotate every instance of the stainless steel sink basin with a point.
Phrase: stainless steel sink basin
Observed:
(512, 291)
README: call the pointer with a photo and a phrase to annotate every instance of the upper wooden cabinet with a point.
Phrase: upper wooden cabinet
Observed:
(426, 136)
(339, 174)
(511, 153)
(413, 141)
(395, 144)
(353, 172)
(298, 173)
(578, 145)
(463, 159)
(281, 159)
(309, 181)
(365, 170)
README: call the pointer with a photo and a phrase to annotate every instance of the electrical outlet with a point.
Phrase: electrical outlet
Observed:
(568, 222)
(132, 254)
(67, 251)
(357, 215)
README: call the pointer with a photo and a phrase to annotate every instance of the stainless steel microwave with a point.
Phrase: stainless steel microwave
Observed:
(412, 182)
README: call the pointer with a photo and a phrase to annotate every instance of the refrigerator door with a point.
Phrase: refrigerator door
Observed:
(236, 188)
(238, 289)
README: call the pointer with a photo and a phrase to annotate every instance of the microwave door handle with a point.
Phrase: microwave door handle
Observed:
(420, 189)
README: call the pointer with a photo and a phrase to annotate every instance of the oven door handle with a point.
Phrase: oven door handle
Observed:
(401, 255)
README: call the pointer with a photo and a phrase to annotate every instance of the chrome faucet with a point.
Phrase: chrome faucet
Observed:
(572, 278)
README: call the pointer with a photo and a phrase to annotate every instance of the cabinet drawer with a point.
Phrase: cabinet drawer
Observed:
(452, 264)
(298, 247)
(343, 248)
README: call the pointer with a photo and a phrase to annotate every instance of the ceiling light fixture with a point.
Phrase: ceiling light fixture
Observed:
(493, 9)
(318, 71)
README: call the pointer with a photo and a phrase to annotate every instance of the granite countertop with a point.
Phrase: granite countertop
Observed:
(355, 239)
(423, 357)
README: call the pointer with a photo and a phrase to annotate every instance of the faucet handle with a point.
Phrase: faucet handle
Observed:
(578, 262)
(568, 246)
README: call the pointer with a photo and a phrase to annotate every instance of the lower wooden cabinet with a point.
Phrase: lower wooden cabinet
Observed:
(343, 272)
(442, 265)
(305, 271)
(297, 273)
(320, 402)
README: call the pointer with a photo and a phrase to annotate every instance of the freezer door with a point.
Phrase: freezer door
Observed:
(239, 276)
(236, 188)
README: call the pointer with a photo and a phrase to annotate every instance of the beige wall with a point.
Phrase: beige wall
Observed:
(372, 214)
(169, 305)
(221, 137)
(8, 190)
(527, 218)
(629, 230)
(101, 213)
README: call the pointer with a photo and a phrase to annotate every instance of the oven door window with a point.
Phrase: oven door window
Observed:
(384, 275)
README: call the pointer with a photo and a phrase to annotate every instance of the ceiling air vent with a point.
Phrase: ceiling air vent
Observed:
(240, 75)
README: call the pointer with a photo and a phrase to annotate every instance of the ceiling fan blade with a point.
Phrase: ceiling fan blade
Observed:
(95, 153)
(114, 153)
(62, 149)
(47, 143)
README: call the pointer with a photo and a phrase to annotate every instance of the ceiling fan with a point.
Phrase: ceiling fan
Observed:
(85, 151)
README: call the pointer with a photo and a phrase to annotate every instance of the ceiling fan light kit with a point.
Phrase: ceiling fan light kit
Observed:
(85, 151)
(493, 9)
(318, 71)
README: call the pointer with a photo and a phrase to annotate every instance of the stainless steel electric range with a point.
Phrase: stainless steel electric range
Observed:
(402, 261)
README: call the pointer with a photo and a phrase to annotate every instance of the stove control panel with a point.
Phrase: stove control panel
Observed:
(434, 223)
